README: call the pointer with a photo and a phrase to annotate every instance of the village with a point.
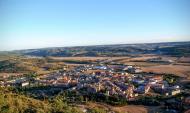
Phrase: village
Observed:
(126, 81)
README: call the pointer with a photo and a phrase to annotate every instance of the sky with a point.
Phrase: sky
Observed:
(26, 24)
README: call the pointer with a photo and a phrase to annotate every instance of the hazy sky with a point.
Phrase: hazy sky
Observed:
(50, 23)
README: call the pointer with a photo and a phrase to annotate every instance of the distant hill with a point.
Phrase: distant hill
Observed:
(167, 48)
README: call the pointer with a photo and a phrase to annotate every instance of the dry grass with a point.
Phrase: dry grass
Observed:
(120, 109)
(131, 109)
(183, 71)
(87, 58)
(143, 58)
(12, 74)
(184, 60)
(79, 58)
(142, 64)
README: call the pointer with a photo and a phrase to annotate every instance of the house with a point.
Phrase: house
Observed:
(175, 92)
(138, 81)
(132, 69)
(155, 79)
(2, 84)
(143, 89)
(100, 67)
(157, 87)
(127, 67)
(91, 89)
(130, 91)
(187, 101)
(22, 84)
(170, 92)
(138, 70)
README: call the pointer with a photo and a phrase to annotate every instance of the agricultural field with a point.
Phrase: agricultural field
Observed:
(179, 66)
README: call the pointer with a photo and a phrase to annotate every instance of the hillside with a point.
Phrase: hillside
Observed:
(16, 103)
(11, 102)
(170, 48)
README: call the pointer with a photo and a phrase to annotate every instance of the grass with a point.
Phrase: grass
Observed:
(179, 70)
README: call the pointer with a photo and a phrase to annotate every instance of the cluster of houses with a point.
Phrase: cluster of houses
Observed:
(129, 82)
(126, 81)
(13, 79)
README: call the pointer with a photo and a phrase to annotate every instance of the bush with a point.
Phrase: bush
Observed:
(98, 110)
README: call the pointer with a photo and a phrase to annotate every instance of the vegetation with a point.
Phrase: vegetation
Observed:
(148, 101)
(11, 102)
(173, 49)
(74, 96)
(179, 50)
(15, 103)
(170, 78)
(10, 66)
(98, 110)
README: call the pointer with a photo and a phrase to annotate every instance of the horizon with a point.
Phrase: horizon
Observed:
(50, 47)
(36, 24)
